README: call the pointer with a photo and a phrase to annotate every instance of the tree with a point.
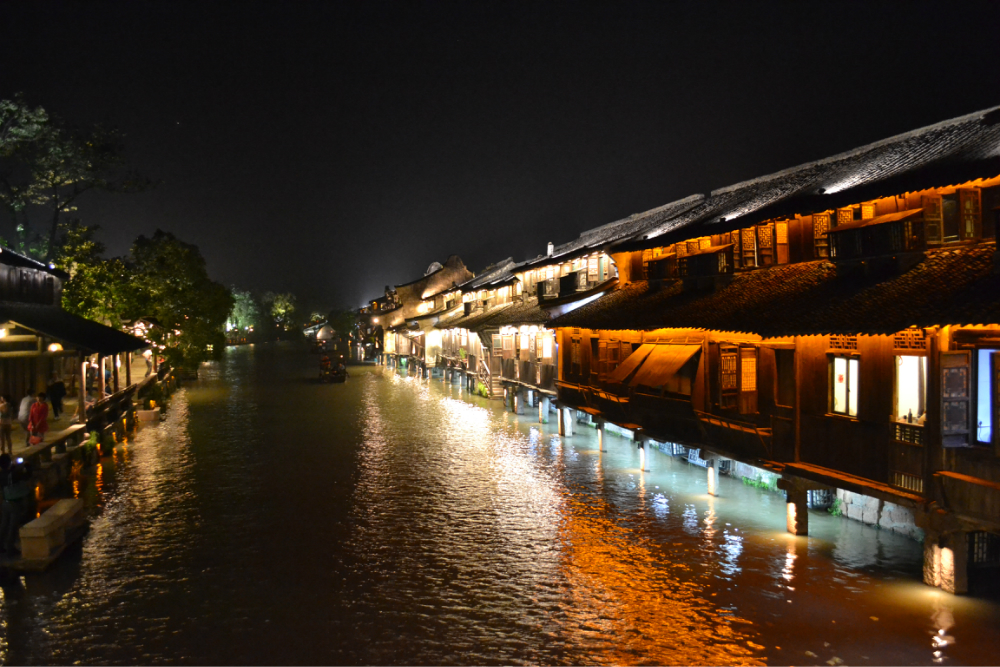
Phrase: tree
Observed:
(20, 127)
(174, 288)
(281, 308)
(47, 167)
(245, 313)
(99, 289)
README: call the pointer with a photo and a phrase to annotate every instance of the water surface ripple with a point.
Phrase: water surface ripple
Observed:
(388, 520)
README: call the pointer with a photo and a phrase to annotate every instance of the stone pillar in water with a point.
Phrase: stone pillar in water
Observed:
(543, 410)
(566, 422)
(797, 509)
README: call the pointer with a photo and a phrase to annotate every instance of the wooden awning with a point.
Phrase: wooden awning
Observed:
(631, 362)
(878, 220)
(663, 363)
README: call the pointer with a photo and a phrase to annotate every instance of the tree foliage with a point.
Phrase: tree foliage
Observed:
(45, 167)
(281, 308)
(245, 313)
(99, 289)
(175, 290)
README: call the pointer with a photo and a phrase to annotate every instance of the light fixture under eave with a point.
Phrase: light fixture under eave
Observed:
(55, 347)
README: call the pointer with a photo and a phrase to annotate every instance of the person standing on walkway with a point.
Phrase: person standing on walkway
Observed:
(56, 392)
(6, 422)
(38, 419)
(24, 413)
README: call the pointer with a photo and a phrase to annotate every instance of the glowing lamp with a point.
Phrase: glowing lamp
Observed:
(55, 347)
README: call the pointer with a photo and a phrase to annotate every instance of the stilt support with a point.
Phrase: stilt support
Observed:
(566, 422)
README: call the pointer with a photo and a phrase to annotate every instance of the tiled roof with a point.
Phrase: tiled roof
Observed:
(526, 312)
(475, 319)
(948, 153)
(495, 274)
(636, 223)
(950, 286)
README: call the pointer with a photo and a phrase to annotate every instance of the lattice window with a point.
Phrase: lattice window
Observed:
(908, 482)
(912, 340)
(868, 211)
(838, 342)
(764, 234)
(845, 215)
(781, 232)
(910, 433)
(984, 547)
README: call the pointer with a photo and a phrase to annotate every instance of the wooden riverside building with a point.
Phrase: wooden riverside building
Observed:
(38, 339)
(836, 324)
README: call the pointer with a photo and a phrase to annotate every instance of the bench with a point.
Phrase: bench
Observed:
(45, 537)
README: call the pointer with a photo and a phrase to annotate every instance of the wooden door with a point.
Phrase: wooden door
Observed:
(955, 398)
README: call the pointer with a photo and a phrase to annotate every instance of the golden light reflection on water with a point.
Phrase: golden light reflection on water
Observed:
(627, 603)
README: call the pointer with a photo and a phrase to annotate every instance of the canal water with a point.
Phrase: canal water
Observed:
(272, 519)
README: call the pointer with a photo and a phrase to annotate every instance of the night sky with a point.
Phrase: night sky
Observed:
(330, 148)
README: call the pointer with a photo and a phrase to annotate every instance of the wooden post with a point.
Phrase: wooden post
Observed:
(100, 377)
(115, 371)
(81, 391)
(128, 369)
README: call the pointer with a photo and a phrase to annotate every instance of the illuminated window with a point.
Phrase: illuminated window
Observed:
(844, 385)
(748, 380)
(987, 395)
(911, 388)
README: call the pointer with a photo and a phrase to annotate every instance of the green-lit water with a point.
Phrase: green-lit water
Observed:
(271, 519)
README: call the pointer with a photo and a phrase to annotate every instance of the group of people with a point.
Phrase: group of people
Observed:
(32, 413)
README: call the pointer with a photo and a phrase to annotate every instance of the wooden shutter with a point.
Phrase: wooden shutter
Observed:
(969, 213)
(734, 238)
(729, 383)
(932, 217)
(821, 239)
(749, 244)
(781, 242)
(955, 398)
(765, 244)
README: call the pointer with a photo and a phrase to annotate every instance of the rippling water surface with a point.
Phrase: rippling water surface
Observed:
(270, 519)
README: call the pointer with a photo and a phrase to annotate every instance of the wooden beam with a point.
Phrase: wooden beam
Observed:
(35, 353)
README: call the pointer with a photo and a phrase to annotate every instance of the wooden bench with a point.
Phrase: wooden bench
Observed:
(44, 538)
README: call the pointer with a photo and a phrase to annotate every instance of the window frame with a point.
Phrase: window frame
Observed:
(831, 385)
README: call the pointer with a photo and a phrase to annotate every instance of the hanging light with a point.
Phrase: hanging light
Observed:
(55, 347)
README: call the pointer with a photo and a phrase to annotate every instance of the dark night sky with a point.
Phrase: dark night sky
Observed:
(330, 148)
